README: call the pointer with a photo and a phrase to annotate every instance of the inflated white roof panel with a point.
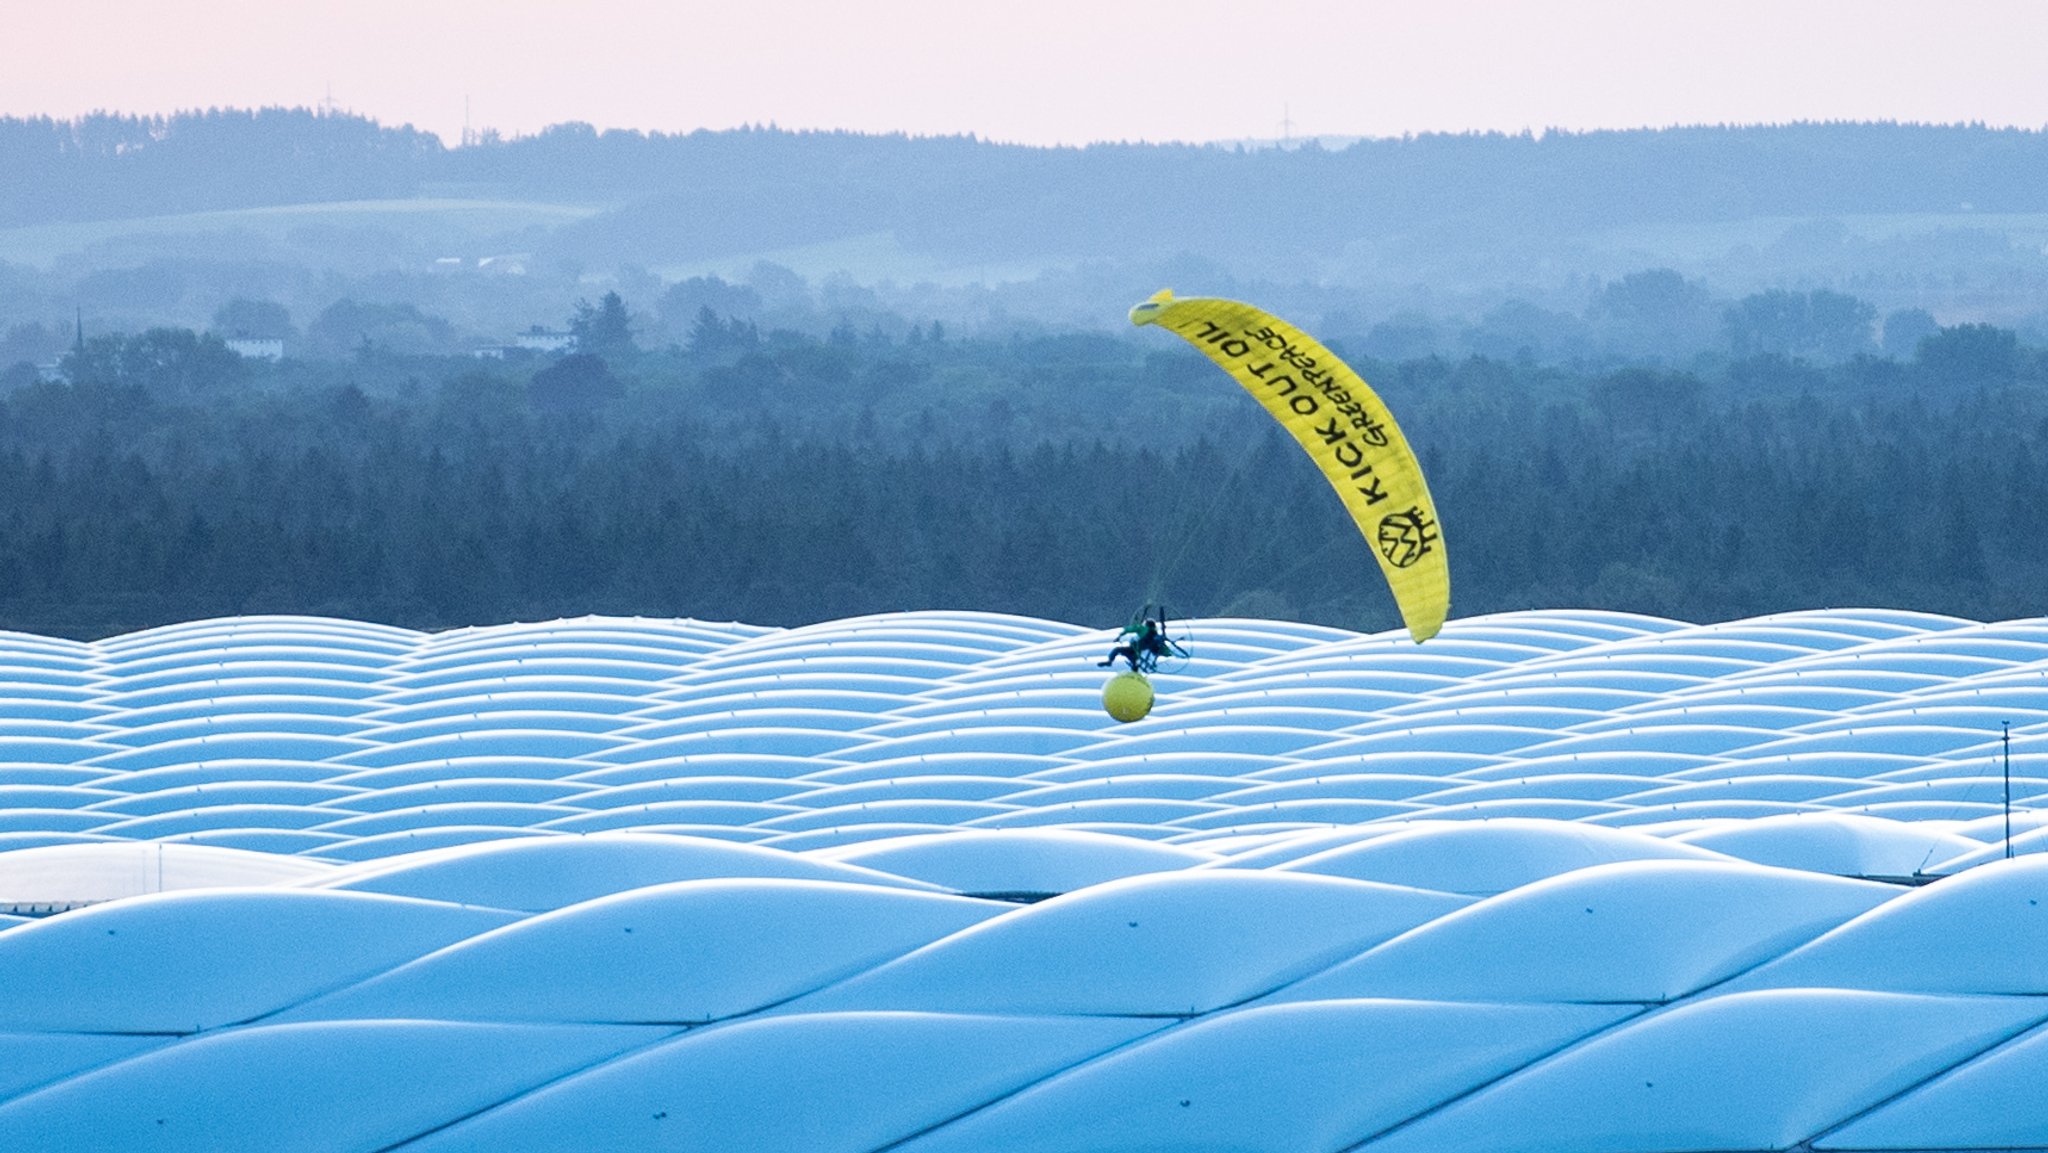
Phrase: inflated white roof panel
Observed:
(1554, 880)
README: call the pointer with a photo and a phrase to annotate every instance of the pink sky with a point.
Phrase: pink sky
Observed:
(1042, 71)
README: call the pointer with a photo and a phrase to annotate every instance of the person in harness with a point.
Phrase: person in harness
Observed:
(1143, 642)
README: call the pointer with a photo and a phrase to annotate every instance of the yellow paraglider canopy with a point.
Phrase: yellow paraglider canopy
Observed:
(1342, 425)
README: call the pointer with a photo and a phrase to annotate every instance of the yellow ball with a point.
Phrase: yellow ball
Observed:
(1127, 697)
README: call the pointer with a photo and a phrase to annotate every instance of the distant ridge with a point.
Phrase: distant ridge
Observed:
(674, 195)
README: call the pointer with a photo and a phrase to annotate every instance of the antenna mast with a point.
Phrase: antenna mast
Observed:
(2005, 743)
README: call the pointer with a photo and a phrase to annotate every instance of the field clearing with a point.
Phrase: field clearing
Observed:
(1707, 240)
(43, 245)
(869, 257)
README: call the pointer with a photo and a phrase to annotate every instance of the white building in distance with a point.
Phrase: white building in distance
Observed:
(538, 339)
(256, 348)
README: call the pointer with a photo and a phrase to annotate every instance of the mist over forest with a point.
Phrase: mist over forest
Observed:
(1442, 243)
(283, 361)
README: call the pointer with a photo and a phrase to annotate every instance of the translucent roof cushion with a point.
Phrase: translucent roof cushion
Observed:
(183, 962)
(31, 1060)
(830, 1083)
(1842, 843)
(616, 701)
(2025, 842)
(548, 873)
(1746, 1071)
(1984, 931)
(1167, 943)
(175, 825)
(1272, 1080)
(1483, 858)
(1646, 931)
(1240, 883)
(688, 952)
(331, 1085)
(1988, 1103)
(68, 874)
(1018, 860)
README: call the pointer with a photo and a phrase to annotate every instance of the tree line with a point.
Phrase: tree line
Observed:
(679, 195)
(780, 479)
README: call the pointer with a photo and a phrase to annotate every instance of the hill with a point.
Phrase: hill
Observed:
(1457, 211)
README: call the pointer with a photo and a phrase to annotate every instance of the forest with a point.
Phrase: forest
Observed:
(779, 478)
(1699, 372)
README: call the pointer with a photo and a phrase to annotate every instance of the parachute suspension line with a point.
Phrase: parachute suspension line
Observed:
(1165, 569)
(1162, 569)
(1200, 525)
(1238, 471)
(1314, 556)
(1344, 427)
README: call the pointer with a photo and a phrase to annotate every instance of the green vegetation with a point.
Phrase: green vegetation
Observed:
(1706, 372)
(782, 478)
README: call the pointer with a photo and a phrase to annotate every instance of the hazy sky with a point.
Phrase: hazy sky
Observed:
(1041, 71)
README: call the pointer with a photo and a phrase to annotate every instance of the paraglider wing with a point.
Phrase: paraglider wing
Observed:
(1342, 425)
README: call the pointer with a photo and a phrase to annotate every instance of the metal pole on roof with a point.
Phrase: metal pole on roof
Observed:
(2005, 743)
